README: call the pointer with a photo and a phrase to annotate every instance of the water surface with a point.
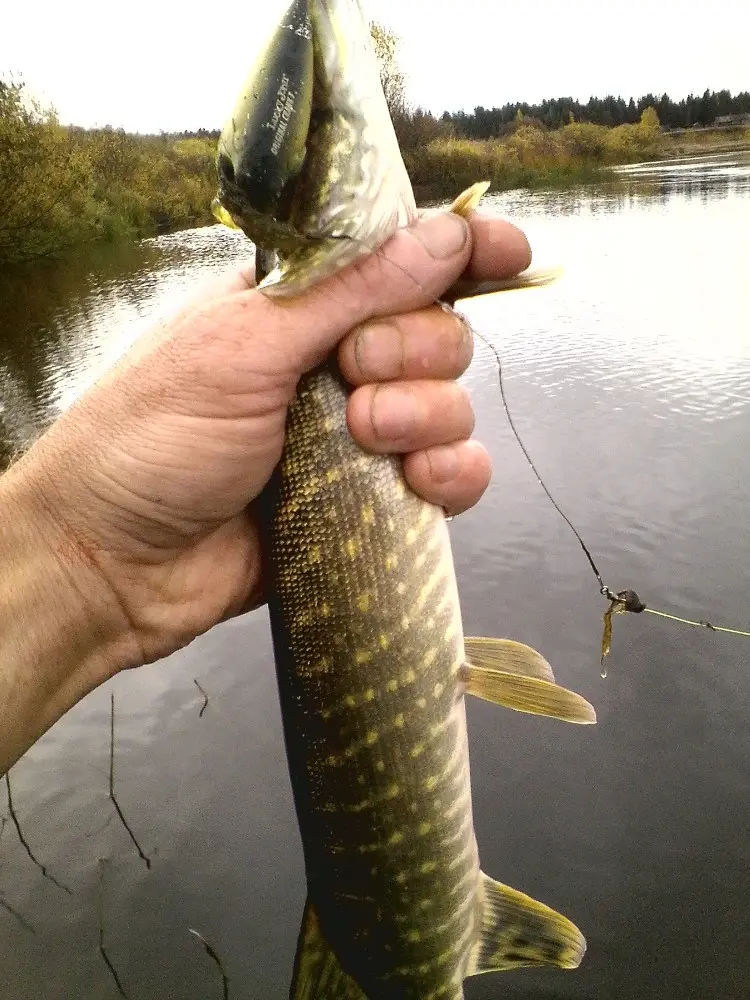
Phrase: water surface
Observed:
(630, 382)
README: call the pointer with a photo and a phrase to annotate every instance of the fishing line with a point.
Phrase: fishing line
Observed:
(624, 601)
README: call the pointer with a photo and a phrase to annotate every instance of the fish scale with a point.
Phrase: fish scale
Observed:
(390, 750)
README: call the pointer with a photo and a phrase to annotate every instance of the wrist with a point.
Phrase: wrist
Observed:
(61, 630)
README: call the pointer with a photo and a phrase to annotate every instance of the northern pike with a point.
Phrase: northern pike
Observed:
(371, 659)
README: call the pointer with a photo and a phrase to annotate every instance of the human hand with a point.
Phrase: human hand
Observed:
(149, 478)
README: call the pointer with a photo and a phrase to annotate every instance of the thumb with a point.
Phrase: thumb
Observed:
(410, 271)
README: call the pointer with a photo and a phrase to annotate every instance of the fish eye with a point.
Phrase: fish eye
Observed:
(226, 168)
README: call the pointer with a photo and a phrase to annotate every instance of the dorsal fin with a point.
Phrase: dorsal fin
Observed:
(317, 972)
(516, 676)
(518, 931)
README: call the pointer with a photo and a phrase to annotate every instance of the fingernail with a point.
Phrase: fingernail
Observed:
(443, 462)
(393, 412)
(379, 352)
(442, 236)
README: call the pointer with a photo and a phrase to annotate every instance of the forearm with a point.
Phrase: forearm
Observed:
(59, 639)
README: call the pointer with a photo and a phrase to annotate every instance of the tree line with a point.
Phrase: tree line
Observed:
(62, 185)
(488, 123)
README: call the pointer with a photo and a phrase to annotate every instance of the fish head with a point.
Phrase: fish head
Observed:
(308, 163)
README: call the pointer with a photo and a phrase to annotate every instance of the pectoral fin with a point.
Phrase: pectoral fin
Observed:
(517, 931)
(317, 972)
(515, 676)
(468, 200)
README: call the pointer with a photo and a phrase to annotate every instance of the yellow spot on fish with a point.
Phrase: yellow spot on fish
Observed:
(368, 515)
(420, 560)
(398, 720)
(401, 588)
(424, 517)
(325, 610)
(363, 602)
(393, 792)
(333, 475)
(332, 514)
(431, 782)
(362, 656)
(384, 641)
(411, 536)
(417, 750)
(395, 838)
(328, 424)
(392, 685)
(409, 677)
(331, 760)
(361, 779)
(421, 703)
(391, 524)
(372, 737)
(361, 806)
(399, 489)
(314, 555)
(391, 561)
(380, 765)
(351, 548)
(424, 829)
(426, 904)
(325, 714)
(405, 622)
(413, 936)
(350, 701)
(323, 664)
(429, 657)
(401, 877)
(369, 694)
(438, 690)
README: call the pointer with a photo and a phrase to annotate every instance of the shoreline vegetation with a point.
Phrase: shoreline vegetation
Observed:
(65, 185)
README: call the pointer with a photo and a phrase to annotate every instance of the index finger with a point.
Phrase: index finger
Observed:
(500, 249)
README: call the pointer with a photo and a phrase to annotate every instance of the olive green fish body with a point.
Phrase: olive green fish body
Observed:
(369, 646)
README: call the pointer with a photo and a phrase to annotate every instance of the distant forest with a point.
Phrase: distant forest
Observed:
(489, 123)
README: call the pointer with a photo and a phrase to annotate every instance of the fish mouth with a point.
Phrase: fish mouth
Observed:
(263, 146)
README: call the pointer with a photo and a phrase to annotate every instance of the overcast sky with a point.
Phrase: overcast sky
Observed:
(157, 64)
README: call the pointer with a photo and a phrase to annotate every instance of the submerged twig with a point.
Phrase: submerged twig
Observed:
(205, 699)
(214, 956)
(25, 843)
(102, 949)
(19, 916)
(112, 795)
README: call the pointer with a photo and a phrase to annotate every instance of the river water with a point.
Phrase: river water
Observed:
(630, 383)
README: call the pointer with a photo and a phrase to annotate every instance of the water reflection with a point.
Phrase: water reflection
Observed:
(630, 382)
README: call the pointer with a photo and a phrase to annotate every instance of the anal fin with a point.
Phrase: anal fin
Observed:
(317, 972)
(516, 676)
(518, 931)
